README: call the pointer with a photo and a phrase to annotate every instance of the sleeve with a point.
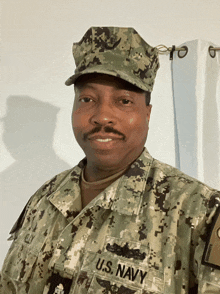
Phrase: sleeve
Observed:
(207, 251)
(12, 267)
(6, 284)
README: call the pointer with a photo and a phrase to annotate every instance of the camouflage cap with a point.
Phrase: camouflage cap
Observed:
(119, 52)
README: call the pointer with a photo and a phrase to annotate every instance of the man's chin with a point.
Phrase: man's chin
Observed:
(110, 158)
(107, 158)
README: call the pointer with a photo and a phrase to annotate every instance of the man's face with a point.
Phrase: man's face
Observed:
(110, 121)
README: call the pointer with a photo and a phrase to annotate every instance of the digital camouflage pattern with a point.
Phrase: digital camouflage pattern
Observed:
(119, 52)
(143, 234)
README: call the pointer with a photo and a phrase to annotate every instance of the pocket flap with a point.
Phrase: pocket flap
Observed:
(19, 263)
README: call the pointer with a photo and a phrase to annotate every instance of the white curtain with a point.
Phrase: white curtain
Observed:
(196, 100)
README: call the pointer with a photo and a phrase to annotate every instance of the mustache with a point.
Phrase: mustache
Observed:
(106, 129)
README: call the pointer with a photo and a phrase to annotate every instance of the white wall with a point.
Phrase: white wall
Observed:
(36, 136)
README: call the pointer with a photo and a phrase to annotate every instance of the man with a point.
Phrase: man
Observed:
(120, 221)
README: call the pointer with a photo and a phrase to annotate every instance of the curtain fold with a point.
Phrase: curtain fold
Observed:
(196, 100)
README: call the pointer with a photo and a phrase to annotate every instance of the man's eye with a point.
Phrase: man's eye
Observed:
(86, 99)
(126, 101)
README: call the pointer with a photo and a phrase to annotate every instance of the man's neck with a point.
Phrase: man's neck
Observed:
(89, 190)
(96, 173)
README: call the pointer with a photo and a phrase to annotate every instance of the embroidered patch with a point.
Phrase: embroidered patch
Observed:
(113, 288)
(100, 286)
(131, 274)
(125, 251)
(128, 249)
(59, 285)
(123, 271)
(211, 255)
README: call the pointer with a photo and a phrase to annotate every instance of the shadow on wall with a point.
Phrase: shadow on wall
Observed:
(29, 127)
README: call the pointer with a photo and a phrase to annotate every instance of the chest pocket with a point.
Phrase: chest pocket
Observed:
(22, 256)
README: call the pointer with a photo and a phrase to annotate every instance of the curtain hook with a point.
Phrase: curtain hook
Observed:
(171, 52)
(182, 53)
(212, 52)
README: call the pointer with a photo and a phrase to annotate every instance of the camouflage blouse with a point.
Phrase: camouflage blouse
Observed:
(144, 234)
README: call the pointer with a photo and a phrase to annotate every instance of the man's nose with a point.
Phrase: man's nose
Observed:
(103, 115)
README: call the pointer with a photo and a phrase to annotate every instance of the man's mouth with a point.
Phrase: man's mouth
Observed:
(104, 140)
(104, 137)
(107, 135)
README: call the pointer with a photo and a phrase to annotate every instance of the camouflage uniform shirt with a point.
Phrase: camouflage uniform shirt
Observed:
(143, 234)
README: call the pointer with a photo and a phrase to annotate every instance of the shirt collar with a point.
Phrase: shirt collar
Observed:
(124, 195)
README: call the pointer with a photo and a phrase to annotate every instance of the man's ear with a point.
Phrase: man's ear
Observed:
(149, 107)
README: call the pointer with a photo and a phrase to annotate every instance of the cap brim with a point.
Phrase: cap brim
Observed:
(116, 73)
